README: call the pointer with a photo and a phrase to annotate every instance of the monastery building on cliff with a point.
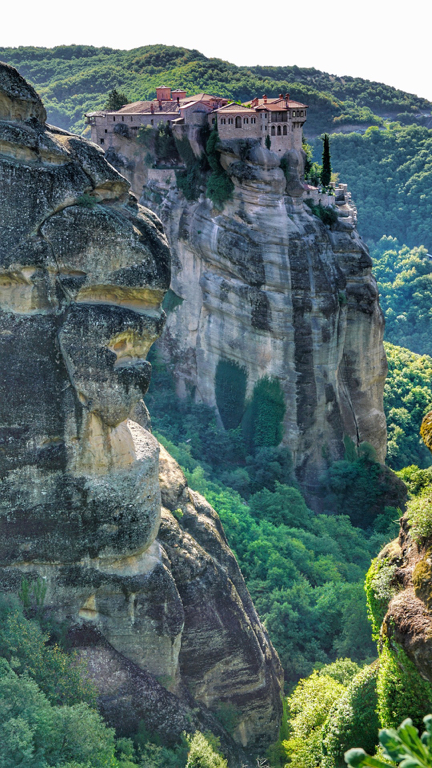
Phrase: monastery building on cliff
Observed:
(280, 118)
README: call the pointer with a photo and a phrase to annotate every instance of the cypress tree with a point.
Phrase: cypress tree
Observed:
(268, 141)
(326, 163)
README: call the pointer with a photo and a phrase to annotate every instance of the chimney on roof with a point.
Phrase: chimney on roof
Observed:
(265, 99)
(152, 108)
(287, 97)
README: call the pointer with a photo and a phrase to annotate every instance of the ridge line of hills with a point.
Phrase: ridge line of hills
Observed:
(73, 79)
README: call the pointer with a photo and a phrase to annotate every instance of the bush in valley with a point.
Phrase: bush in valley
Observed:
(352, 719)
(361, 487)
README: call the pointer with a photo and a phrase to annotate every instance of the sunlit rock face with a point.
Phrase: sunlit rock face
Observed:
(83, 271)
(266, 285)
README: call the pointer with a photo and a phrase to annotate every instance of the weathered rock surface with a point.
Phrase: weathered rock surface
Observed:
(267, 285)
(83, 271)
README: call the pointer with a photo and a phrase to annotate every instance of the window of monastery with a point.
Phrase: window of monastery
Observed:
(122, 119)
(230, 121)
(102, 141)
(245, 119)
(238, 122)
(278, 130)
(273, 130)
(285, 130)
(106, 130)
(113, 119)
(253, 119)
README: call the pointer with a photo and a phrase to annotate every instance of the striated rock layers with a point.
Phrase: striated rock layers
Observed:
(266, 285)
(157, 607)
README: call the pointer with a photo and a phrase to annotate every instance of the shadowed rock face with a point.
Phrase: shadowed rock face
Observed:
(83, 271)
(266, 285)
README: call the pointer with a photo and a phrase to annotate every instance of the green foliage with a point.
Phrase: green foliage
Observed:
(115, 100)
(326, 170)
(146, 137)
(219, 185)
(405, 284)
(417, 480)
(389, 173)
(401, 689)
(190, 181)
(228, 716)
(204, 752)
(36, 734)
(25, 646)
(284, 506)
(268, 141)
(230, 390)
(407, 398)
(308, 708)
(401, 746)
(264, 415)
(419, 514)
(74, 79)
(305, 572)
(361, 487)
(165, 146)
(352, 719)
(380, 587)
(327, 214)
(341, 670)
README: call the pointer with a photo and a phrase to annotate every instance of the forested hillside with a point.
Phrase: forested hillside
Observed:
(389, 172)
(74, 79)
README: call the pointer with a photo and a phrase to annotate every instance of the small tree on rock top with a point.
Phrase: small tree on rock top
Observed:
(115, 100)
(326, 163)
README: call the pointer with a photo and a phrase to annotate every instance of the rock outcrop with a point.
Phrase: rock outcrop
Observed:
(157, 607)
(268, 286)
(400, 594)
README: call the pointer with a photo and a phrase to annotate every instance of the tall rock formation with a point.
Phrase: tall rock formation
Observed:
(268, 286)
(157, 607)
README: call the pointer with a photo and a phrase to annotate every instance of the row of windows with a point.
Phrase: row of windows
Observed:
(238, 121)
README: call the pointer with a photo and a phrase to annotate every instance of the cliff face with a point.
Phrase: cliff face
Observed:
(266, 285)
(157, 608)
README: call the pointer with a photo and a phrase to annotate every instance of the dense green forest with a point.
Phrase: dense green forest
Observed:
(305, 572)
(404, 279)
(74, 79)
(389, 173)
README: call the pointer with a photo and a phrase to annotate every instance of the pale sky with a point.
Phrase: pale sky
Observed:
(375, 39)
